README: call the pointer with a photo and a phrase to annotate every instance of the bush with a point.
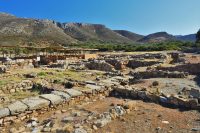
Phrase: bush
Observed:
(42, 74)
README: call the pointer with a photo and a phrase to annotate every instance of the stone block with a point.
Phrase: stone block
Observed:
(36, 103)
(54, 99)
(17, 107)
(64, 95)
(73, 92)
(4, 112)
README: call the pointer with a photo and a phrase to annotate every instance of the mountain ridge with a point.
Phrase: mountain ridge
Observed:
(43, 32)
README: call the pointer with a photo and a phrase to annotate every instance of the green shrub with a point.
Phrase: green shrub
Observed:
(42, 74)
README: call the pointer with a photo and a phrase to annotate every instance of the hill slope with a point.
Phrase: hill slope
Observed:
(23, 31)
(191, 38)
(130, 35)
(35, 32)
(93, 32)
(157, 37)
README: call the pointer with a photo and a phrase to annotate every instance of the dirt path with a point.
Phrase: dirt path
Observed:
(145, 118)
(151, 118)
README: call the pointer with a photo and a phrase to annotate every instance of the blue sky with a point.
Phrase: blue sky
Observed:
(140, 16)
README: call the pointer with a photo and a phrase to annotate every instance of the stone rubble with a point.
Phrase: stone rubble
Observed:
(3, 69)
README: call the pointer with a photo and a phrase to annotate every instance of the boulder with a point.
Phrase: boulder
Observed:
(17, 107)
(103, 121)
(3, 69)
(193, 103)
(118, 110)
(36, 103)
(4, 112)
(54, 99)
(195, 92)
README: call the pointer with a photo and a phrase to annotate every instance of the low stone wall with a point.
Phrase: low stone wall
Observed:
(136, 63)
(100, 65)
(19, 63)
(173, 101)
(118, 65)
(17, 87)
(22, 109)
(158, 74)
(151, 56)
(190, 68)
(62, 64)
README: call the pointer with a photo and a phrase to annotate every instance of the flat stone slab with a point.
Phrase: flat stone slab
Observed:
(54, 99)
(93, 87)
(109, 82)
(36, 103)
(64, 95)
(17, 107)
(91, 82)
(4, 112)
(73, 92)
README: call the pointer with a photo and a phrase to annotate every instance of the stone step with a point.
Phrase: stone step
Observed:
(54, 99)
(17, 107)
(36, 103)
(73, 92)
(64, 95)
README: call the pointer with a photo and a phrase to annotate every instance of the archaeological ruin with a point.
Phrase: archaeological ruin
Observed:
(65, 90)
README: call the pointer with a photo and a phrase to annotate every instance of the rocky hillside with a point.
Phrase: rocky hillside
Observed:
(157, 37)
(24, 31)
(130, 35)
(95, 32)
(35, 32)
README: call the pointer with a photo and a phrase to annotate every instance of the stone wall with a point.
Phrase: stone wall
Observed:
(137, 63)
(100, 65)
(158, 74)
(173, 100)
(22, 109)
(190, 68)
(118, 64)
(17, 87)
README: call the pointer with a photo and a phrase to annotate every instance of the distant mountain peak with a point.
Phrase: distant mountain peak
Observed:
(157, 37)
(190, 37)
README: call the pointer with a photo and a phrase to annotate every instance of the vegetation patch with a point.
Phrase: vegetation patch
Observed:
(171, 45)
